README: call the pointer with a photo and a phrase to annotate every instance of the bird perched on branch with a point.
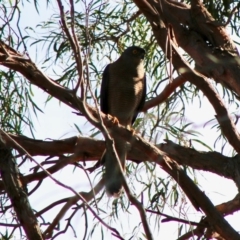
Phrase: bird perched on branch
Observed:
(123, 92)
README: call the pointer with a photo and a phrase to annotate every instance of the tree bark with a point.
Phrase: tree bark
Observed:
(17, 194)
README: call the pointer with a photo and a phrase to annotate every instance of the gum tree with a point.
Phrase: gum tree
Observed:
(190, 54)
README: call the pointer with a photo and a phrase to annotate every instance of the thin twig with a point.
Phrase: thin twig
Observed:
(234, 10)
(171, 218)
(72, 201)
(140, 208)
(73, 41)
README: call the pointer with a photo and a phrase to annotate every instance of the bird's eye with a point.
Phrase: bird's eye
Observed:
(135, 51)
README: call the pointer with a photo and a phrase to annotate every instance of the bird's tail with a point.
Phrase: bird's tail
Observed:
(113, 177)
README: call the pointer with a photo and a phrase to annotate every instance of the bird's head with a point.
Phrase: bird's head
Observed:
(134, 53)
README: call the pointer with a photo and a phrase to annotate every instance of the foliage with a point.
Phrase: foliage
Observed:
(103, 31)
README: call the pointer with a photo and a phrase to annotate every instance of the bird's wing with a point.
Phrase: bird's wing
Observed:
(104, 91)
(141, 102)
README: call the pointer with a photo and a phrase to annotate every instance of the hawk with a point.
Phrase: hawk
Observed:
(122, 95)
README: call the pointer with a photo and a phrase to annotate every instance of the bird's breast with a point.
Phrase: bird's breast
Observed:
(125, 93)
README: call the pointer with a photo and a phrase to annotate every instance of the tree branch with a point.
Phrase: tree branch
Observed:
(89, 149)
(88, 196)
(198, 198)
(161, 33)
(224, 208)
(167, 91)
(17, 194)
(214, 162)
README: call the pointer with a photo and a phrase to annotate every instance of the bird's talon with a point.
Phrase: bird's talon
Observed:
(109, 116)
(115, 120)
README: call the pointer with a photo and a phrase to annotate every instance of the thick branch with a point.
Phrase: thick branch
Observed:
(17, 62)
(225, 209)
(199, 198)
(204, 39)
(161, 33)
(208, 161)
(17, 194)
(89, 149)
(40, 147)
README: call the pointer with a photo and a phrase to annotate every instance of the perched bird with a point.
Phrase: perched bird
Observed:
(122, 95)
